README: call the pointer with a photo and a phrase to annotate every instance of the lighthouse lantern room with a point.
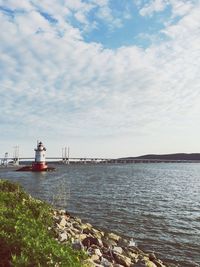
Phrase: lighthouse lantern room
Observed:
(40, 161)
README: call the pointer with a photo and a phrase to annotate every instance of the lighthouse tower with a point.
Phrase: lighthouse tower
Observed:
(39, 164)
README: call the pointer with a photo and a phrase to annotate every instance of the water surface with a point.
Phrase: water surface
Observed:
(156, 204)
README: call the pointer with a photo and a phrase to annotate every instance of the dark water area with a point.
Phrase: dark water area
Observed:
(158, 205)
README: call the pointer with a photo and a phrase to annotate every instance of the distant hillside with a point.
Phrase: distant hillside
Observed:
(177, 156)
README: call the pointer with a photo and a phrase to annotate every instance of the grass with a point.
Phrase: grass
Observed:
(25, 240)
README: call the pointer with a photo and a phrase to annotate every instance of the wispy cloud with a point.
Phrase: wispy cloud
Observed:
(53, 83)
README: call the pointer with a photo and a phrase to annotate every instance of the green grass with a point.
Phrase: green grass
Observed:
(24, 236)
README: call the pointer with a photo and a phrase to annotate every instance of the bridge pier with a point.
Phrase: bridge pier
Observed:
(16, 161)
(65, 160)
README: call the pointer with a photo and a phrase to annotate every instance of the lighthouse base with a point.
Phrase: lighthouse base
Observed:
(39, 167)
(36, 167)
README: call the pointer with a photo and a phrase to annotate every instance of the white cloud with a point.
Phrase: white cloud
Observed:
(178, 7)
(68, 87)
(154, 6)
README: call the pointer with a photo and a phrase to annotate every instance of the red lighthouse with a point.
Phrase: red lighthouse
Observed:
(40, 161)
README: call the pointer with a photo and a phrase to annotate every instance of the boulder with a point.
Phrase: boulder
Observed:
(98, 252)
(113, 236)
(86, 231)
(118, 250)
(77, 226)
(150, 264)
(77, 245)
(95, 258)
(105, 262)
(109, 257)
(77, 220)
(123, 260)
(88, 241)
(122, 242)
(63, 222)
(109, 242)
(139, 264)
(152, 257)
(158, 263)
(135, 249)
(63, 237)
(81, 237)
(132, 255)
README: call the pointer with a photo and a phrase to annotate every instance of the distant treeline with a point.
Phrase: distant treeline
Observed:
(176, 156)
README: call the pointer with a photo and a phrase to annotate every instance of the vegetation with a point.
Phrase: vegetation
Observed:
(25, 240)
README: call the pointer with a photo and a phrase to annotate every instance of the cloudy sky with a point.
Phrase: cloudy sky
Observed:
(108, 78)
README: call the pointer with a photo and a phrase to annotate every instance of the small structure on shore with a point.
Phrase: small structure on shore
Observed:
(39, 165)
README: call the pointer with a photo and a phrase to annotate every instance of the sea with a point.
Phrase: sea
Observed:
(156, 204)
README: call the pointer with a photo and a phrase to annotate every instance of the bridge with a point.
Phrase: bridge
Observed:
(66, 159)
(90, 160)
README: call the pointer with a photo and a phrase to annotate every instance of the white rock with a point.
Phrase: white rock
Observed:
(132, 243)
(63, 237)
(118, 250)
(63, 222)
(98, 252)
(94, 257)
(105, 262)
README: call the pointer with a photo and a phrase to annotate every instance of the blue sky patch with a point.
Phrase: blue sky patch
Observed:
(130, 30)
(48, 17)
(7, 11)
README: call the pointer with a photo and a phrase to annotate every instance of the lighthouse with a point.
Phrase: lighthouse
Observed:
(40, 161)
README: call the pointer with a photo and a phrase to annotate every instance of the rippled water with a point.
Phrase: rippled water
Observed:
(156, 204)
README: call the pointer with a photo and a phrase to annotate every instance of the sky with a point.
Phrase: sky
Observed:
(108, 78)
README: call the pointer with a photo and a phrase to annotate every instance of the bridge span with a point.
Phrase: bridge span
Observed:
(91, 160)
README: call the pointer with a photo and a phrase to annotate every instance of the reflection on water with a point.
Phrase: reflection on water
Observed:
(156, 204)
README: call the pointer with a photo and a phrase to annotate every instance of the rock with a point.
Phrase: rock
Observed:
(88, 241)
(139, 264)
(62, 212)
(105, 249)
(113, 236)
(105, 262)
(63, 237)
(94, 246)
(132, 255)
(109, 242)
(78, 220)
(135, 250)
(131, 243)
(90, 263)
(152, 257)
(77, 226)
(81, 237)
(158, 263)
(86, 231)
(109, 257)
(150, 264)
(98, 252)
(75, 231)
(96, 233)
(88, 225)
(118, 250)
(95, 258)
(77, 245)
(122, 242)
(63, 222)
(123, 260)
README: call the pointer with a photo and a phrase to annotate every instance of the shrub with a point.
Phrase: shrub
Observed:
(24, 236)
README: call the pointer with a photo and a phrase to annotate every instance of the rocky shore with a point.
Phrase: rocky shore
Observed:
(103, 249)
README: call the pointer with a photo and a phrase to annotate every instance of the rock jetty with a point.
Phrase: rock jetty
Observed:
(103, 249)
